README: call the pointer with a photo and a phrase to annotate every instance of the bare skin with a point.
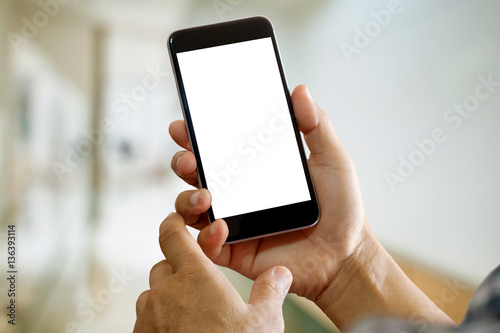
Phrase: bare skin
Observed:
(189, 294)
(338, 264)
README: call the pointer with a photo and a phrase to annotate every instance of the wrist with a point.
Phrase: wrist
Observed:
(369, 282)
(356, 287)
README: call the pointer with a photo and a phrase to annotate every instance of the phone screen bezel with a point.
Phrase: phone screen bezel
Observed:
(265, 222)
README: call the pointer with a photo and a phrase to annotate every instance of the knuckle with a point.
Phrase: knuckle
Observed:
(153, 298)
(168, 234)
(157, 266)
(193, 273)
(270, 286)
(142, 300)
(267, 319)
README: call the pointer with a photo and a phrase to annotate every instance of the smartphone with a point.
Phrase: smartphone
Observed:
(242, 128)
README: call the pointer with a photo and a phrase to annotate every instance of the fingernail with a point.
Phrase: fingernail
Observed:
(213, 228)
(284, 276)
(195, 198)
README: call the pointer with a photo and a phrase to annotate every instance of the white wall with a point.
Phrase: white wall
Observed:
(396, 91)
(393, 93)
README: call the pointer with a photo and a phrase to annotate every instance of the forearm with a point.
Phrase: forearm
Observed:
(371, 283)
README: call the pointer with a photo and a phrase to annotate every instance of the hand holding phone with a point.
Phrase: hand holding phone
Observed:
(313, 255)
(337, 263)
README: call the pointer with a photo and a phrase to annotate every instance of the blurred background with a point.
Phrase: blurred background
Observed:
(87, 94)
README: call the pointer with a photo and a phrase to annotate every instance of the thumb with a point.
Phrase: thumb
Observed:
(271, 287)
(319, 134)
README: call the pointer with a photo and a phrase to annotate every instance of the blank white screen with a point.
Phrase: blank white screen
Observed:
(242, 126)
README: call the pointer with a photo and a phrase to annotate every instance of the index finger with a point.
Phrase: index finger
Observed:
(177, 244)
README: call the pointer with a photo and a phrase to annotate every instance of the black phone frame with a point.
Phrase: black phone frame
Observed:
(269, 221)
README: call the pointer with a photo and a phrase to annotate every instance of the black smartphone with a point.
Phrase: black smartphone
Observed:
(242, 128)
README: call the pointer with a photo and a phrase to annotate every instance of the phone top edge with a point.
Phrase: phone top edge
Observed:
(220, 24)
(220, 34)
